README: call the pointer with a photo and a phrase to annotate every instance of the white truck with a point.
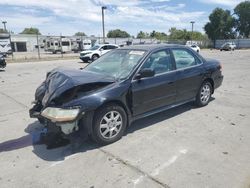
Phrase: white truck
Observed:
(5, 45)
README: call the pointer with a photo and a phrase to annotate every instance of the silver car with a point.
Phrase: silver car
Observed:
(228, 46)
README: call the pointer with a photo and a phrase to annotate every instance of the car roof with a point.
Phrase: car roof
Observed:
(150, 47)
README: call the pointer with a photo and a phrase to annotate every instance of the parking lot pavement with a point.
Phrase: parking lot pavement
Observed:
(182, 147)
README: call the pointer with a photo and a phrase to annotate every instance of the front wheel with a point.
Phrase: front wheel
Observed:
(109, 124)
(204, 94)
(95, 57)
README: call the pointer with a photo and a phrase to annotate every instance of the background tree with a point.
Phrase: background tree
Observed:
(80, 34)
(141, 35)
(220, 25)
(177, 34)
(242, 11)
(117, 33)
(158, 35)
(31, 30)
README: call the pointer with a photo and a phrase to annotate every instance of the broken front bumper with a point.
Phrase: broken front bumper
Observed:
(61, 127)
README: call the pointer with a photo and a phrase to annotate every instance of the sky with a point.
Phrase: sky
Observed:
(55, 17)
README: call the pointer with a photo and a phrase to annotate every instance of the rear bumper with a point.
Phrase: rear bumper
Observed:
(218, 81)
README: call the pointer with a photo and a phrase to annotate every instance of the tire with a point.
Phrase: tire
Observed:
(95, 57)
(106, 129)
(204, 94)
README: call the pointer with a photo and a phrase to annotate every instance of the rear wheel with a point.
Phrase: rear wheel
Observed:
(109, 124)
(204, 94)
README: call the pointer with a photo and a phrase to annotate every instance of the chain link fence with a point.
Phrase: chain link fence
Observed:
(37, 47)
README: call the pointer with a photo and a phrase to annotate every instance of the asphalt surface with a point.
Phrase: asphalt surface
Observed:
(182, 147)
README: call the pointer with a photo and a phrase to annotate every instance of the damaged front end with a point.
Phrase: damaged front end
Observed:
(61, 87)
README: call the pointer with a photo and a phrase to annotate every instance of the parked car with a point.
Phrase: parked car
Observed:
(195, 48)
(2, 62)
(228, 46)
(123, 85)
(96, 51)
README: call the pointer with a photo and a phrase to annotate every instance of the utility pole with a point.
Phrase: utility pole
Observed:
(192, 22)
(61, 45)
(38, 46)
(103, 29)
(4, 25)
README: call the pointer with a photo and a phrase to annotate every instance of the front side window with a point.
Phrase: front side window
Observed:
(110, 47)
(104, 48)
(159, 61)
(184, 58)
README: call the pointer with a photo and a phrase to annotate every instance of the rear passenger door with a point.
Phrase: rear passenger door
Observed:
(189, 73)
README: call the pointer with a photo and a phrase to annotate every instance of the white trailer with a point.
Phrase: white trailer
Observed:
(66, 45)
(5, 45)
(58, 44)
(80, 45)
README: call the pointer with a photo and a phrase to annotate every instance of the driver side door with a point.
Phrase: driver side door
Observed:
(158, 91)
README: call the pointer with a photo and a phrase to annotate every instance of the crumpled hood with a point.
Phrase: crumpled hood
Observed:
(61, 80)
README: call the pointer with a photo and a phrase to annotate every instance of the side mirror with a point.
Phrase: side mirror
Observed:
(144, 73)
(101, 49)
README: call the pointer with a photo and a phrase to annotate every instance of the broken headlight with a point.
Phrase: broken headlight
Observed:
(59, 114)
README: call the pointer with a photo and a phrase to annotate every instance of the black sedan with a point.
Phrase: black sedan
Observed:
(2, 62)
(123, 85)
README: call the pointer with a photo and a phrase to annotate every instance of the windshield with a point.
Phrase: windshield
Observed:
(117, 63)
(94, 47)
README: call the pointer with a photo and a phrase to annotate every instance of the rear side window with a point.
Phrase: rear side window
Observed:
(184, 58)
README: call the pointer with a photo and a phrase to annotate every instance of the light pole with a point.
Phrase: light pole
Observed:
(4, 25)
(103, 30)
(192, 22)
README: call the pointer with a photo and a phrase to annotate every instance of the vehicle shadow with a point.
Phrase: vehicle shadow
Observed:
(78, 144)
(161, 116)
(60, 150)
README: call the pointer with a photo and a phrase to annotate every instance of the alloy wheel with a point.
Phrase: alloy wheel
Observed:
(111, 124)
(205, 93)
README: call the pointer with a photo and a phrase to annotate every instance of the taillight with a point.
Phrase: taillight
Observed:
(220, 66)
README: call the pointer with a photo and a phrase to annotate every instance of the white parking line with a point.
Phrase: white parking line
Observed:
(156, 171)
(65, 159)
(169, 162)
